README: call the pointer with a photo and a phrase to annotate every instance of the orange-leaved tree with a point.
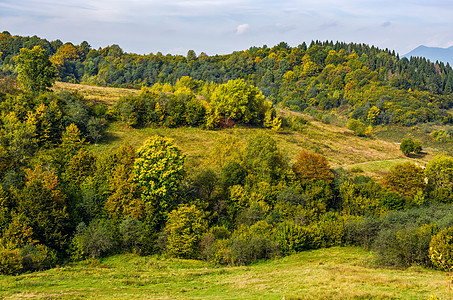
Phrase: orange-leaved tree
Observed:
(311, 167)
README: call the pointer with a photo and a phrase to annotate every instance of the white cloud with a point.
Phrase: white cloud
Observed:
(241, 29)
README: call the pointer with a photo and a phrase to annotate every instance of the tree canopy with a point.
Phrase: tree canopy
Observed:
(35, 71)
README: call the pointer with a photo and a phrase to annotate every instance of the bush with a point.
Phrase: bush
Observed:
(441, 248)
(233, 174)
(247, 251)
(219, 252)
(356, 126)
(292, 238)
(37, 257)
(94, 240)
(132, 233)
(361, 231)
(291, 196)
(409, 145)
(329, 231)
(10, 261)
(214, 246)
(249, 244)
(405, 247)
(184, 229)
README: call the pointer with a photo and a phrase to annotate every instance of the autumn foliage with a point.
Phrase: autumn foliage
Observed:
(312, 167)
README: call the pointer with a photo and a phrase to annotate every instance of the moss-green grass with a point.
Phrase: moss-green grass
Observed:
(335, 273)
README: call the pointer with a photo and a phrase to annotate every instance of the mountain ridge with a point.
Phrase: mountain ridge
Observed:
(434, 54)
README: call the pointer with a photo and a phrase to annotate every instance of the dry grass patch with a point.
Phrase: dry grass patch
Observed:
(106, 95)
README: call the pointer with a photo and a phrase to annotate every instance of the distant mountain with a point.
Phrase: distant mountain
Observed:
(433, 54)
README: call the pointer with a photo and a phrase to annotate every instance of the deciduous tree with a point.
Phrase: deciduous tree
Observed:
(158, 170)
(312, 167)
(36, 72)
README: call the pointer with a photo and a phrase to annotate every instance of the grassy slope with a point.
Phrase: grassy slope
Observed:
(335, 273)
(339, 145)
(341, 148)
(105, 95)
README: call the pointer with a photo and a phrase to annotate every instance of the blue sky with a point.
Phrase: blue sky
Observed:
(221, 26)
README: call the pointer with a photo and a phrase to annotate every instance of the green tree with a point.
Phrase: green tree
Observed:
(239, 101)
(93, 240)
(263, 159)
(158, 171)
(35, 71)
(439, 171)
(358, 127)
(406, 179)
(184, 230)
(373, 113)
(19, 138)
(79, 167)
(43, 204)
(71, 142)
(124, 200)
(409, 145)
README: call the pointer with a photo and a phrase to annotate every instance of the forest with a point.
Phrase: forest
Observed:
(248, 201)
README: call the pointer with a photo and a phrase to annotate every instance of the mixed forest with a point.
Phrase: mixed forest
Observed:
(60, 202)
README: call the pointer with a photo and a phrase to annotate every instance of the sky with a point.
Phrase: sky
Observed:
(224, 26)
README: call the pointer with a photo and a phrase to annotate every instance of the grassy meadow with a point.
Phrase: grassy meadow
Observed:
(334, 273)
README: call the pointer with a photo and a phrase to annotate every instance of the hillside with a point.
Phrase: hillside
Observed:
(342, 148)
(224, 172)
(335, 273)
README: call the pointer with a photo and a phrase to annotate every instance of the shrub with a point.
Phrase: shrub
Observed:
(291, 196)
(405, 247)
(292, 238)
(246, 251)
(10, 261)
(233, 174)
(94, 240)
(409, 145)
(185, 228)
(37, 257)
(220, 254)
(214, 246)
(356, 126)
(132, 233)
(441, 246)
(330, 231)
(249, 244)
(361, 231)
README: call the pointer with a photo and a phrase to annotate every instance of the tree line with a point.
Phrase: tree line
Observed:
(369, 81)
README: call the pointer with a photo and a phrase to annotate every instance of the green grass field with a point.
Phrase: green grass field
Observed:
(335, 273)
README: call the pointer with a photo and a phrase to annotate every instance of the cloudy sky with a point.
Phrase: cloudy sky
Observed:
(223, 26)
